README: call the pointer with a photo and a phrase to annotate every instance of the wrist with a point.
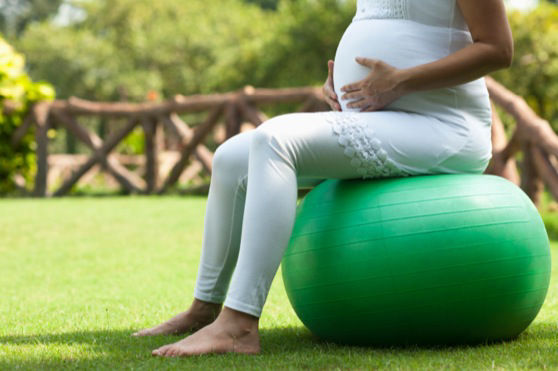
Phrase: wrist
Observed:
(403, 81)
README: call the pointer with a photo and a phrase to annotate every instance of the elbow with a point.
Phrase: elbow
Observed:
(507, 56)
(503, 56)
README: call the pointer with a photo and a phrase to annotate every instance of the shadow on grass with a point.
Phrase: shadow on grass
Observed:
(281, 347)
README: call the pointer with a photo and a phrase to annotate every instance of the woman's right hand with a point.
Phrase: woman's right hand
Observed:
(329, 91)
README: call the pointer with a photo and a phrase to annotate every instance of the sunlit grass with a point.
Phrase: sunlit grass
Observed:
(79, 275)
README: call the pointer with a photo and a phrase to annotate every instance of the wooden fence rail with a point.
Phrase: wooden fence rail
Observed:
(232, 112)
(230, 109)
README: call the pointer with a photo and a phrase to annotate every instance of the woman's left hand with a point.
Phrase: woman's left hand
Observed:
(381, 87)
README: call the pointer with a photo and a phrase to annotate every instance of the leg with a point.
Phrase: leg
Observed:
(221, 239)
(282, 150)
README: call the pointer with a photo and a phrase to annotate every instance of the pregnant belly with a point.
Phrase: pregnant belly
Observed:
(399, 43)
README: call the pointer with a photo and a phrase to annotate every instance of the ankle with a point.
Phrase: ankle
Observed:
(206, 308)
(242, 322)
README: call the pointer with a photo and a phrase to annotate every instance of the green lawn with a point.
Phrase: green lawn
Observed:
(79, 275)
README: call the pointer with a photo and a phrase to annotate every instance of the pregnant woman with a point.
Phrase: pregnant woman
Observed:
(408, 98)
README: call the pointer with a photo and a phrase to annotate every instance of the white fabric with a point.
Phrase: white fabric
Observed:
(253, 194)
(397, 32)
(252, 197)
(441, 13)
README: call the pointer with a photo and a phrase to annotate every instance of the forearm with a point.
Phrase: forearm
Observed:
(467, 64)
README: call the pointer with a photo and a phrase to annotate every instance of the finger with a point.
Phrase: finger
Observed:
(332, 90)
(334, 105)
(330, 103)
(329, 94)
(358, 103)
(330, 68)
(367, 62)
(370, 108)
(351, 87)
(355, 95)
(330, 64)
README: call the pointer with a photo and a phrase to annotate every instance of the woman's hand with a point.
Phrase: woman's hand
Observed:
(377, 90)
(329, 91)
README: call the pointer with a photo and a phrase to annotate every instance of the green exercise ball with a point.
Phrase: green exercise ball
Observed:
(435, 259)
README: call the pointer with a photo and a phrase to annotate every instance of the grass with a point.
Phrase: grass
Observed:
(79, 275)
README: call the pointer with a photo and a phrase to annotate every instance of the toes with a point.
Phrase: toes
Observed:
(160, 351)
(139, 333)
(171, 352)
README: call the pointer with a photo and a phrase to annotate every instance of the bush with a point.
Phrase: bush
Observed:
(17, 94)
(534, 71)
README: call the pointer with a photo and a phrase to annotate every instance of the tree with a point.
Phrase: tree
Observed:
(124, 49)
(16, 15)
(265, 4)
(17, 93)
(534, 71)
(306, 37)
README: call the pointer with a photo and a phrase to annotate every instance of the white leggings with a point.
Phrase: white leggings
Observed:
(252, 199)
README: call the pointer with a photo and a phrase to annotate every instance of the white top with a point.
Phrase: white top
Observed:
(406, 33)
(440, 13)
(446, 129)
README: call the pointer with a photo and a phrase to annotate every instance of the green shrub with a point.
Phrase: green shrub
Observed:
(534, 71)
(17, 94)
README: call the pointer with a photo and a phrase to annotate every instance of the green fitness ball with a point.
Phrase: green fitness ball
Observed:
(436, 259)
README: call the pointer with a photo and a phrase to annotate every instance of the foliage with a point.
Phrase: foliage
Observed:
(17, 93)
(131, 49)
(265, 4)
(16, 15)
(128, 49)
(306, 37)
(125, 49)
(534, 71)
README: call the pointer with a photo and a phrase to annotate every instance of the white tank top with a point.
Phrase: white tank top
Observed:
(406, 33)
(440, 13)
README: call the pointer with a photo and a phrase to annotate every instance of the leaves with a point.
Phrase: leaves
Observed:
(17, 92)
(534, 71)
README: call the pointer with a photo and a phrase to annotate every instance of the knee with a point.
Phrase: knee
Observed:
(221, 156)
(230, 156)
(261, 139)
(271, 140)
(272, 133)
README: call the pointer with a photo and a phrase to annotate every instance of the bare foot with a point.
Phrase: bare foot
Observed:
(232, 331)
(199, 315)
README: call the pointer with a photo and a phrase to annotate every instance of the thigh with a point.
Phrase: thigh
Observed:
(232, 157)
(417, 143)
(368, 145)
(309, 142)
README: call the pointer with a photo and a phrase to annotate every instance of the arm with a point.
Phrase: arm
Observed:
(492, 49)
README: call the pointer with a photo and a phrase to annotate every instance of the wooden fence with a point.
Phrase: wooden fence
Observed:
(229, 109)
(532, 135)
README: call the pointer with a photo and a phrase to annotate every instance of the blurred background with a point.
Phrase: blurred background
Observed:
(143, 50)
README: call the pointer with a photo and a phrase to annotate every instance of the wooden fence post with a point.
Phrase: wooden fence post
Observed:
(41, 115)
(151, 154)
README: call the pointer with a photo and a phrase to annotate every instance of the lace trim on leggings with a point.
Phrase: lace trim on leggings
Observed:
(362, 146)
